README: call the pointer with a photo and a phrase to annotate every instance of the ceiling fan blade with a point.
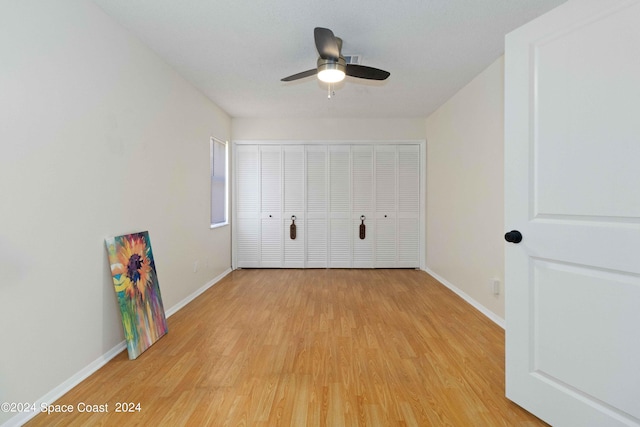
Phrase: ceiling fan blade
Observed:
(301, 75)
(364, 72)
(326, 43)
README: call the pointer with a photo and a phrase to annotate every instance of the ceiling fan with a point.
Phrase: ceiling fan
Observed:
(332, 66)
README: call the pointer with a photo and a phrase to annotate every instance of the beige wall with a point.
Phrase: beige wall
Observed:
(98, 137)
(465, 220)
(328, 129)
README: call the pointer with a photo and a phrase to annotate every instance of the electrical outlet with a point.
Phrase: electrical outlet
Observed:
(195, 266)
(495, 286)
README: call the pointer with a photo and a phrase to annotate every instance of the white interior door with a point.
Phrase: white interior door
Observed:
(572, 173)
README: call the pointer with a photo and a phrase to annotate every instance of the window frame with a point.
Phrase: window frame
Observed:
(216, 178)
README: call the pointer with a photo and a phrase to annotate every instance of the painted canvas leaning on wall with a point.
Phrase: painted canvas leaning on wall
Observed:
(136, 284)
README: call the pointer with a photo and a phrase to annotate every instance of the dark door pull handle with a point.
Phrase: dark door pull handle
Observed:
(292, 228)
(514, 236)
(363, 228)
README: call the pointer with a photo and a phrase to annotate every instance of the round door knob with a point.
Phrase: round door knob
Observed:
(514, 236)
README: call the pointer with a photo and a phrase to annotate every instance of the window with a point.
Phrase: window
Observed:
(219, 187)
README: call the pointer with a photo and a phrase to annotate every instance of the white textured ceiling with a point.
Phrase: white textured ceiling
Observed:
(236, 52)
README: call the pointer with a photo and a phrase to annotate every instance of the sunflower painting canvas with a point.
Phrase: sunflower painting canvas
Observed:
(136, 284)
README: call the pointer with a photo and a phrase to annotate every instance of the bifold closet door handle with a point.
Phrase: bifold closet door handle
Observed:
(514, 236)
(363, 228)
(292, 228)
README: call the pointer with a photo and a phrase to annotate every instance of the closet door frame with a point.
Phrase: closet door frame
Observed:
(423, 184)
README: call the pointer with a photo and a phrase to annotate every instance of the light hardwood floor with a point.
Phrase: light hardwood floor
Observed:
(312, 348)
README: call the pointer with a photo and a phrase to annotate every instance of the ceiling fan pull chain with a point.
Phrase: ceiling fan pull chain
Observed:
(330, 92)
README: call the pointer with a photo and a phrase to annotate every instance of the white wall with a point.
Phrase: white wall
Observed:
(465, 220)
(98, 137)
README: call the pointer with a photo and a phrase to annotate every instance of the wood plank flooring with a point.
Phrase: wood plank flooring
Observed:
(311, 348)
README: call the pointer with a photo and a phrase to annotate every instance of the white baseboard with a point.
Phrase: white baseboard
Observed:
(66, 386)
(91, 368)
(170, 312)
(481, 308)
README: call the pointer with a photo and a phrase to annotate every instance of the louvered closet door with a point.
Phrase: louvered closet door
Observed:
(362, 205)
(385, 206)
(293, 205)
(270, 200)
(328, 188)
(408, 206)
(247, 160)
(317, 204)
(339, 207)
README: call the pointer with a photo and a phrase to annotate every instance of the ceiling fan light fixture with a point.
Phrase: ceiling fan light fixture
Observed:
(331, 71)
(331, 75)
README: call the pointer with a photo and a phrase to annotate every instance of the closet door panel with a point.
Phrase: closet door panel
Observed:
(270, 179)
(362, 205)
(270, 203)
(385, 179)
(248, 242)
(385, 206)
(385, 247)
(363, 248)
(339, 206)
(340, 237)
(271, 243)
(293, 171)
(316, 255)
(340, 176)
(409, 180)
(317, 206)
(408, 242)
(247, 160)
(293, 205)
(408, 205)
(293, 248)
(248, 184)
(362, 179)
